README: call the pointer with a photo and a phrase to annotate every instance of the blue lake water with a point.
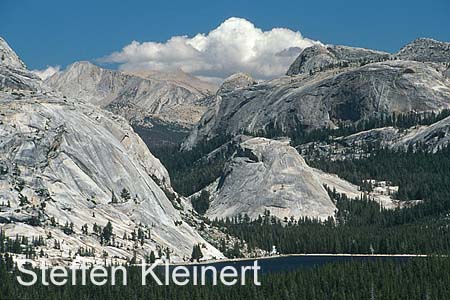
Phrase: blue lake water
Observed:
(290, 263)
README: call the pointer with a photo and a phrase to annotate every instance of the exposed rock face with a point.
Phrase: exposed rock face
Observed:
(178, 78)
(429, 138)
(265, 174)
(425, 50)
(8, 57)
(317, 101)
(13, 72)
(135, 95)
(235, 82)
(319, 58)
(269, 175)
(64, 159)
(216, 105)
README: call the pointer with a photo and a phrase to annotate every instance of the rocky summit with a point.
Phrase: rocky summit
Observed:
(425, 50)
(67, 168)
(328, 86)
(136, 95)
(269, 175)
(320, 58)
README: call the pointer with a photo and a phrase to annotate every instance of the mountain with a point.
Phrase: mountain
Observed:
(268, 175)
(429, 138)
(425, 50)
(66, 164)
(179, 78)
(344, 85)
(138, 96)
(319, 58)
(13, 72)
(8, 58)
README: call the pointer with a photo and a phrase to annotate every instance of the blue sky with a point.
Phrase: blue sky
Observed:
(60, 32)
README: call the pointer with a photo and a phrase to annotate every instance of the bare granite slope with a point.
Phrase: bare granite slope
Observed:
(137, 95)
(66, 161)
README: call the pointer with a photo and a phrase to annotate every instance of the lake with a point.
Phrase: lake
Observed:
(293, 262)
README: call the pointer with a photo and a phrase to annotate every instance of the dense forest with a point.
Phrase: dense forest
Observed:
(361, 225)
(300, 134)
(419, 175)
(190, 171)
(414, 279)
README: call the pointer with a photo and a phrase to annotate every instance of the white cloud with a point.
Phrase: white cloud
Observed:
(235, 46)
(46, 73)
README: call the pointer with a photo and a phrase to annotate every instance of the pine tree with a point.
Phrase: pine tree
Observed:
(125, 195)
(196, 253)
(152, 257)
(107, 232)
(114, 198)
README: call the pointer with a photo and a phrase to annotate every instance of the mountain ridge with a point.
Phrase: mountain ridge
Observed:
(136, 95)
(324, 98)
(68, 168)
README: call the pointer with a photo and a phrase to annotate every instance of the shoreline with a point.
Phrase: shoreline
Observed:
(226, 260)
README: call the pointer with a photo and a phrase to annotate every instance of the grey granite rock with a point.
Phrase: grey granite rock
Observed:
(65, 158)
(425, 50)
(320, 58)
(304, 102)
(269, 175)
(135, 95)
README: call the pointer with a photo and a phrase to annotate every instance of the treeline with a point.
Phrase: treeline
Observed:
(360, 226)
(419, 175)
(414, 279)
(301, 134)
(20, 244)
(189, 170)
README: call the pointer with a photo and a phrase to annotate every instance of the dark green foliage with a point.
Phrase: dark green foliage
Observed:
(161, 136)
(85, 252)
(151, 258)
(415, 279)
(419, 175)
(23, 200)
(196, 253)
(20, 245)
(189, 170)
(141, 236)
(34, 221)
(3, 170)
(125, 195)
(107, 232)
(301, 134)
(360, 226)
(345, 128)
(200, 203)
(16, 170)
(84, 229)
(114, 199)
(68, 228)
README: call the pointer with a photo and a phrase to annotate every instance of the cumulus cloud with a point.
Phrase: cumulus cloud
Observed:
(46, 73)
(235, 46)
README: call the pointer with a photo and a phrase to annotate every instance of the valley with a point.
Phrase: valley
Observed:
(345, 156)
